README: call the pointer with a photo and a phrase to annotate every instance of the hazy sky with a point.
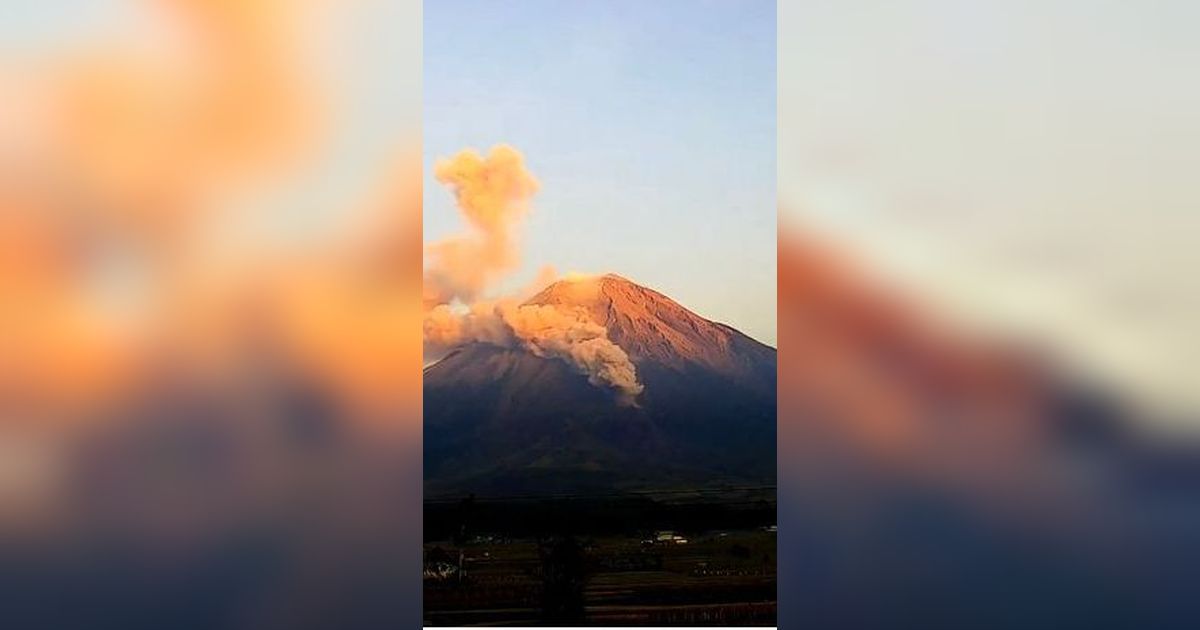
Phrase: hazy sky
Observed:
(650, 125)
(1031, 163)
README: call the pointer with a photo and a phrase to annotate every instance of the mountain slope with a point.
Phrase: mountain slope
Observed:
(502, 420)
(652, 328)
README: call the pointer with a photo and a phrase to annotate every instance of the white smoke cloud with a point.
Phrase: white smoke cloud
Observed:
(493, 195)
(554, 332)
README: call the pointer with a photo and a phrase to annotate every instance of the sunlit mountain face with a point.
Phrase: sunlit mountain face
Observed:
(514, 419)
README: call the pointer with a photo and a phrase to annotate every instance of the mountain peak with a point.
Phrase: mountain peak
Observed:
(606, 297)
(577, 284)
(652, 328)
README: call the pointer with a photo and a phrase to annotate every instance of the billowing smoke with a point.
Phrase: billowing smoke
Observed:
(547, 331)
(493, 195)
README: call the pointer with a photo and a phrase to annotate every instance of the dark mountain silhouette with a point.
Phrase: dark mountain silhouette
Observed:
(502, 420)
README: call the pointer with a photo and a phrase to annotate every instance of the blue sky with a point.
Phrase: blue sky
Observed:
(650, 125)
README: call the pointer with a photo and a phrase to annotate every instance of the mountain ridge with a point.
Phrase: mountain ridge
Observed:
(650, 326)
(503, 419)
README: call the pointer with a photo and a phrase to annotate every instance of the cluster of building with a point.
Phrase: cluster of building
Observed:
(665, 537)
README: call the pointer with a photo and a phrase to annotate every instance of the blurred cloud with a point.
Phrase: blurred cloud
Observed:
(211, 343)
(1023, 165)
(987, 407)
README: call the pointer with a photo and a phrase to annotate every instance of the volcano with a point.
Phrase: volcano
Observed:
(504, 420)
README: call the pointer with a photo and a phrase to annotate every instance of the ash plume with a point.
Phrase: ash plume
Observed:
(493, 194)
(553, 332)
